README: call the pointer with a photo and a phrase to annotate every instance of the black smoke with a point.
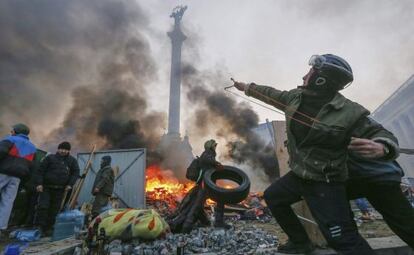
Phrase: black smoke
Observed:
(218, 114)
(86, 59)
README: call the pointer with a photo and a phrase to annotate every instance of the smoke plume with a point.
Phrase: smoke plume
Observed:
(219, 115)
(86, 59)
(81, 71)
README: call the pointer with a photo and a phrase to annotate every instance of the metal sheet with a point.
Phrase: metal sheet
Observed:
(129, 183)
(397, 115)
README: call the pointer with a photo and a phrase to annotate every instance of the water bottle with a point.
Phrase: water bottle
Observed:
(28, 235)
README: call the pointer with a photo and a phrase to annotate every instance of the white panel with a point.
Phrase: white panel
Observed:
(130, 182)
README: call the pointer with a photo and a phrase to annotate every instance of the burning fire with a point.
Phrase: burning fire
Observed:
(163, 187)
(162, 184)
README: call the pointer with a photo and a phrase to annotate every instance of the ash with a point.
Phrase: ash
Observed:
(243, 240)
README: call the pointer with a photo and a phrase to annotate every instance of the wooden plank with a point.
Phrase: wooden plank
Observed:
(45, 247)
(282, 155)
(300, 208)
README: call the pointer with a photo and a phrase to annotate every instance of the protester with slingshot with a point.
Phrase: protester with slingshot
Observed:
(321, 123)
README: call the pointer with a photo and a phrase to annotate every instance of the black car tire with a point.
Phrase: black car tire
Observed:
(227, 196)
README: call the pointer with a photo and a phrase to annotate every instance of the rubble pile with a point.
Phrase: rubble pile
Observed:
(165, 204)
(244, 240)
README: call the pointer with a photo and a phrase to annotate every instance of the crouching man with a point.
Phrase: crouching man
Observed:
(103, 185)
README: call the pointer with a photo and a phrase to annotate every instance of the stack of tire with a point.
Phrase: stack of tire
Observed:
(224, 195)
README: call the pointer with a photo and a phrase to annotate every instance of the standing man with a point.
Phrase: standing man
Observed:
(57, 173)
(16, 156)
(191, 208)
(320, 123)
(103, 185)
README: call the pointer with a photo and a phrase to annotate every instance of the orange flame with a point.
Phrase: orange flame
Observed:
(163, 185)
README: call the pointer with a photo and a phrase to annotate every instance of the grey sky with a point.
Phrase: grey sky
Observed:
(269, 42)
(51, 48)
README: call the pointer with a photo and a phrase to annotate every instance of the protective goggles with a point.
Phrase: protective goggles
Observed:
(317, 61)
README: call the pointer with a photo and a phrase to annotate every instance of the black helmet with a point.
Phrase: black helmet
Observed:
(331, 70)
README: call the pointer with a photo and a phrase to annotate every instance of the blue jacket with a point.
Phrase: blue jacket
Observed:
(16, 156)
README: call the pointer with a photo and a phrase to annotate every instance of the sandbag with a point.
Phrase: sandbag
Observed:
(126, 224)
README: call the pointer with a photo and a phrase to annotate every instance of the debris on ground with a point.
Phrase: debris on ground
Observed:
(243, 240)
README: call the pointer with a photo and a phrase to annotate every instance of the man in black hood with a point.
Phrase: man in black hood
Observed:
(103, 186)
(57, 173)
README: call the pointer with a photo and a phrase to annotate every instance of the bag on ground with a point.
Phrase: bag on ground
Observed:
(126, 224)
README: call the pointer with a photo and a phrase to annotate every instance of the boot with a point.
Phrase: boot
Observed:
(296, 248)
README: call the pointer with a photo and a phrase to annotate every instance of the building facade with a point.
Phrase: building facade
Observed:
(397, 115)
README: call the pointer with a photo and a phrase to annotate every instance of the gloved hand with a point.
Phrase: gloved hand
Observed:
(240, 85)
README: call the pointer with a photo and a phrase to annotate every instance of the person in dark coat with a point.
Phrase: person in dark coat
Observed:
(208, 161)
(191, 208)
(16, 163)
(320, 123)
(57, 173)
(103, 186)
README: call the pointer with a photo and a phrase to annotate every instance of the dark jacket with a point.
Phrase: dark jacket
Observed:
(16, 156)
(29, 185)
(57, 171)
(322, 154)
(208, 159)
(104, 181)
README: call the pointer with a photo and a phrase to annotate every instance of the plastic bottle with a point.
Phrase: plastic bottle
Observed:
(28, 235)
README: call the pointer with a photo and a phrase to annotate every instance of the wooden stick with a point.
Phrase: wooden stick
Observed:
(116, 171)
(65, 194)
(76, 192)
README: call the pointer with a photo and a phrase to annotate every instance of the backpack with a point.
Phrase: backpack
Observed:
(193, 170)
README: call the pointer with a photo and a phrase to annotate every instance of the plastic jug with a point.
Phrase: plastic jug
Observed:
(67, 223)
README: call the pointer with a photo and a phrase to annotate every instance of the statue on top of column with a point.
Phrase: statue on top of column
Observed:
(178, 13)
